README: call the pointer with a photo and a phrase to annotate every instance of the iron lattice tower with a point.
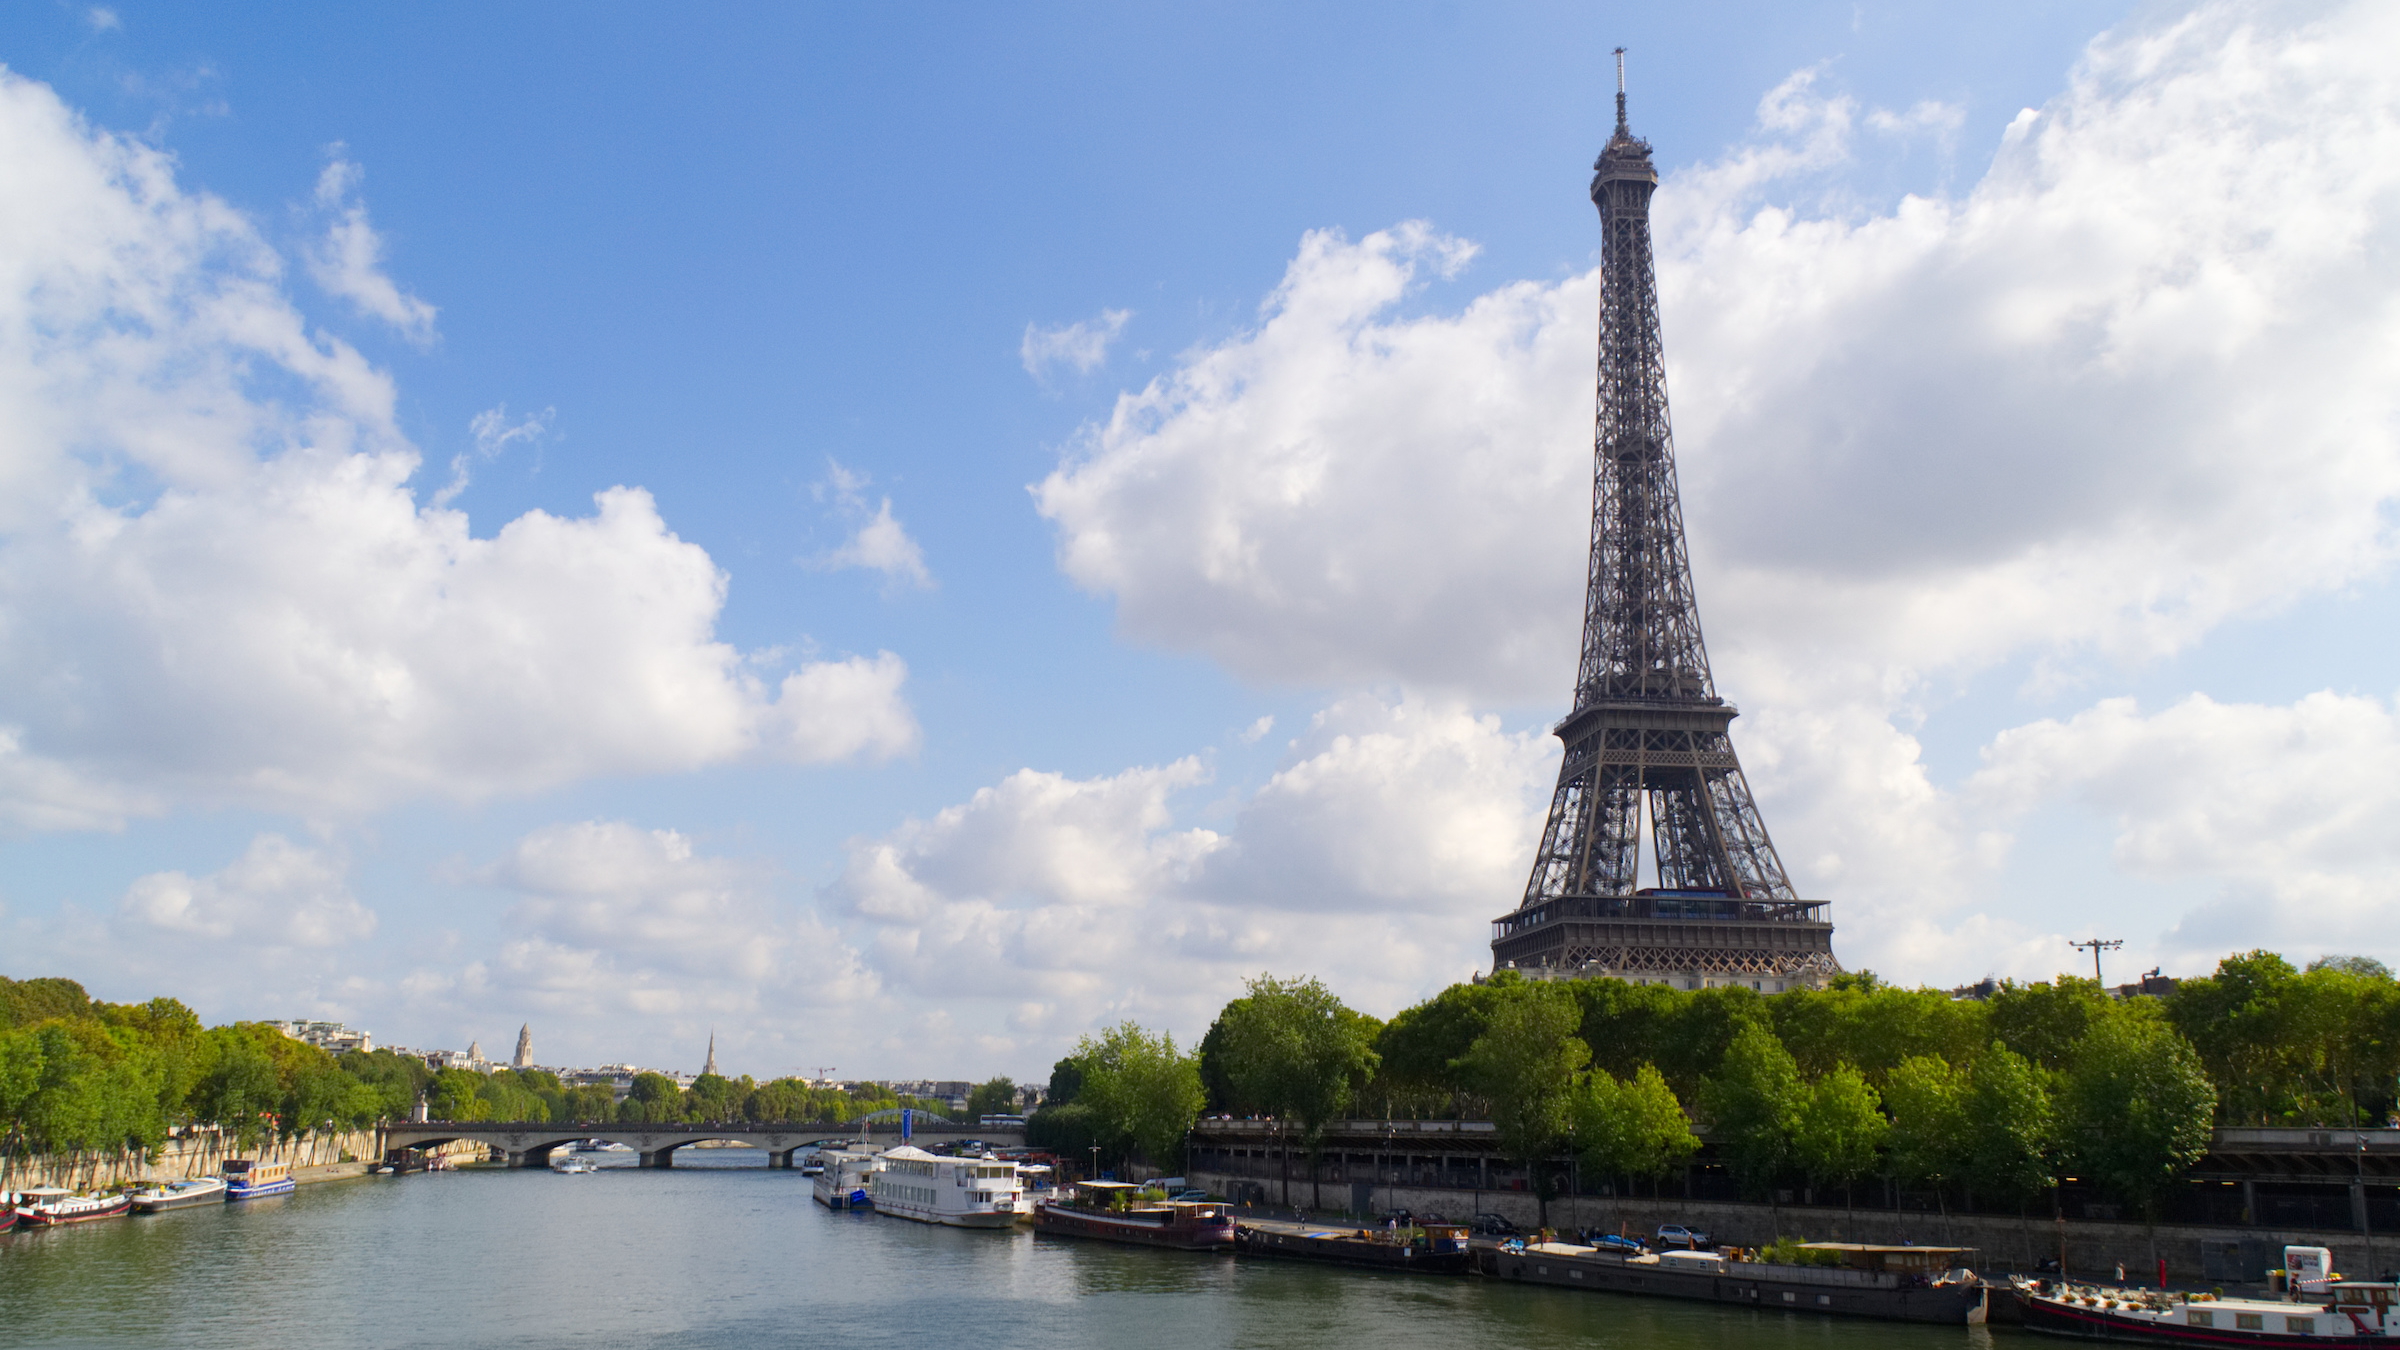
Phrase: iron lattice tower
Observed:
(1648, 732)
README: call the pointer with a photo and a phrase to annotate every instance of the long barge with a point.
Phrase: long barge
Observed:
(1893, 1284)
(1429, 1249)
(1112, 1212)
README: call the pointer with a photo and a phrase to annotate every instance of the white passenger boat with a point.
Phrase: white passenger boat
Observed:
(843, 1183)
(961, 1192)
(180, 1195)
(572, 1163)
(1036, 1182)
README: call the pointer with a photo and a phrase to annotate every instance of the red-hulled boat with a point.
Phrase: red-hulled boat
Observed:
(1113, 1212)
(52, 1206)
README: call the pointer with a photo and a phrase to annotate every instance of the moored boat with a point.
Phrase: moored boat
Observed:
(574, 1164)
(185, 1194)
(56, 1206)
(1899, 1284)
(1423, 1249)
(1112, 1211)
(249, 1180)
(843, 1183)
(2337, 1310)
(957, 1192)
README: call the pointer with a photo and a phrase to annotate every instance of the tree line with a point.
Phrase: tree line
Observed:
(81, 1075)
(1994, 1097)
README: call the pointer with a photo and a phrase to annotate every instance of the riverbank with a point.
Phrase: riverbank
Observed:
(317, 1156)
(2195, 1255)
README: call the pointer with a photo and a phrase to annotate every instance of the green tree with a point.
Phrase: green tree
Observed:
(997, 1097)
(1840, 1129)
(1144, 1094)
(1066, 1082)
(2043, 1022)
(1753, 1104)
(652, 1100)
(2011, 1126)
(2136, 1108)
(1293, 1050)
(1525, 1064)
(2242, 1020)
(1631, 1127)
(1927, 1097)
(1419, 1050)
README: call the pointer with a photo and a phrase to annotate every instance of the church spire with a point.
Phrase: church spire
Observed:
(712, 1054)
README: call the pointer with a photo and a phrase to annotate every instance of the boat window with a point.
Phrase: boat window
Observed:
(2249, 1322)
(2302, 1326)
(2203, 1319)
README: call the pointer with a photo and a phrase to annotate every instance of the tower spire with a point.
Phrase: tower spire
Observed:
(1622, 129)
(711, 1066)
(1647, 736)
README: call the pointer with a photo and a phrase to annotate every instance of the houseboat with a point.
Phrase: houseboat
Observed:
(960, 1192)
(1113, 1211)
(249, 1180)
(1423, 1249)
(848, 1169)
(56, 1206)
(185, 1194)
(2333, 1310)
(1897, 1284)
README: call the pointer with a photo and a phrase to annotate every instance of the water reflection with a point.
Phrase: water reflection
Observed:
(720, 1251)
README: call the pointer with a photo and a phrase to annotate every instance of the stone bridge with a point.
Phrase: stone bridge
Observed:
(529, 1143)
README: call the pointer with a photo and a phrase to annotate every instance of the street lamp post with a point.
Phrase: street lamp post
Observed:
(2366, 1220)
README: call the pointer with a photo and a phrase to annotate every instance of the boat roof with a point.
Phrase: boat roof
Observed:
(909, 1153)
(1109, 1185)
(1877, 1247)
(45, 1190)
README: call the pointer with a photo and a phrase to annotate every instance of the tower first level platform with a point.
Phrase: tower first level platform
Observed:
(1685, 940)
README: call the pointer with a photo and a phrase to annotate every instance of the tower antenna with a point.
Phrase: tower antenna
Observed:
(2097, 946)
(1622, 130)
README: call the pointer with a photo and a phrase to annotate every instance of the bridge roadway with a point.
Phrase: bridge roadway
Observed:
(529, 1143)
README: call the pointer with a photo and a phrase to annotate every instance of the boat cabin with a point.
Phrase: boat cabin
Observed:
(1927, 1261)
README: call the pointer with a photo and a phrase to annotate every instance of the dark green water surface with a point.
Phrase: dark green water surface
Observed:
(722, 1252)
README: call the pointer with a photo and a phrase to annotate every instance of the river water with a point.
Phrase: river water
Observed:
(720, 1251)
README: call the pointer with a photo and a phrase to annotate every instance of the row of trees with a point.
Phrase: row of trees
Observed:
(1993, 1097)
(81, 1075)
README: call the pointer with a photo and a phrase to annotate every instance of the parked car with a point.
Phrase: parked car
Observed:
(1494, 1225)
(1189, 1195)
(1614, 1242)
(1675, 1235)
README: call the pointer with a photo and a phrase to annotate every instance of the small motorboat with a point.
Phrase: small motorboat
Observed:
(56, 1206)
(574, 1163)
(180, 1195)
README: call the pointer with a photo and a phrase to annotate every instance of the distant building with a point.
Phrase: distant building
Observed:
(331, 1036)
(524, 1059)
(710, 1069)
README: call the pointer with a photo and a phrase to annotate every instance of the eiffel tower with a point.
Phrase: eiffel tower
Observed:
(1648, 736)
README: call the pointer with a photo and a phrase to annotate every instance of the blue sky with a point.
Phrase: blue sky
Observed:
(1058, 394)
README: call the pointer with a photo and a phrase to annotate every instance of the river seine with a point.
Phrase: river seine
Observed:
(722, 1252)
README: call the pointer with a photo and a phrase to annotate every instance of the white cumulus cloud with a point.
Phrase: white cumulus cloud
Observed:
(1081, 346)
(348, 260)
(275, 895)
(220, 588)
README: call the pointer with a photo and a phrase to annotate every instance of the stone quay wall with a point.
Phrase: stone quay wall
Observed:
(2195, 1256)
(315, 1156)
